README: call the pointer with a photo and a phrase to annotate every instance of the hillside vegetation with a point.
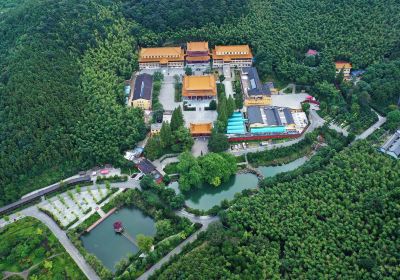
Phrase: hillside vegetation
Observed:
(29, 244)
(340, 222)
(62, 68)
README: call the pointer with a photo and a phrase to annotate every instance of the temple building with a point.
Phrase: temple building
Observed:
(153, 58)
(141, 91)
(256, 93)
(345, 66)
(235, 56)
(199, 87)
(197, 54)
(200, 129)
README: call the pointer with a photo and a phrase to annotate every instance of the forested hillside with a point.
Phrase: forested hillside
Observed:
(42, 100)
(163, 15)
(55, 54)
(340, 222)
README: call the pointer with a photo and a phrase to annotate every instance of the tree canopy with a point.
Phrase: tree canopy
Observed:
(338, 222)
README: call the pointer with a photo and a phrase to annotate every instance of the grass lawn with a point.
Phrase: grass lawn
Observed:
(28, 242)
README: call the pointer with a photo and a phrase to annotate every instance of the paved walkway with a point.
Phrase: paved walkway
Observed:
(371, 129)
(64, 240)
(339, 129)
(204, 220)
(160, 164)
(228, 88)
(200, 146)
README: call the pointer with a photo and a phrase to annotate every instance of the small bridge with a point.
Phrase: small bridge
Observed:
(127, 236)
(252, 170)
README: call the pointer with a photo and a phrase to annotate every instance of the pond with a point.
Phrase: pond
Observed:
(208, 196)
(110, 247)
(269, 171)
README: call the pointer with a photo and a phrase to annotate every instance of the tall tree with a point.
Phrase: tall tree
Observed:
(144, 242)
(177, 119)
(182, 140)
(165, 135)
(218, 142)
(189, 172)
(230, 106)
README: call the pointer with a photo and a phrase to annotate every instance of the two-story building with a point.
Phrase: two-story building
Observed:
(153, 58)
(234, 56)
(141, 92)
(345, 67)
(197, 54)
(199, 88)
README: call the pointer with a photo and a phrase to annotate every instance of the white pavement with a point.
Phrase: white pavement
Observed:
(167, 94)
(200, 146)
(228, 88)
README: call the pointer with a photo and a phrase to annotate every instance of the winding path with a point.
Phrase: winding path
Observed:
(64, 240)
(204, 220)
(371, 129)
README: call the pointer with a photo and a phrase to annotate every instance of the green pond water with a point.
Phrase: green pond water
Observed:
(207, 196)
(269, 171)
(110, 247)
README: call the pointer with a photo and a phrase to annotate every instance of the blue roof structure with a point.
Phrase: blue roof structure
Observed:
(256, 87)
(272, 115)
(236, 124)
(357, 73)
(268, 130)
(143, 87)
(254, 115)
(288, 116)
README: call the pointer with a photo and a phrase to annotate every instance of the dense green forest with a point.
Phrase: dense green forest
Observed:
(62, 68)
(165, 15)
(339, 222)
(45, 104)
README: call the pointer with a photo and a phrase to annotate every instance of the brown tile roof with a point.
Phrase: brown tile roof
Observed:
(228, 53)
(197, 46)
(200, 128)
(199, 86)
(342, 64)
(164, 53)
